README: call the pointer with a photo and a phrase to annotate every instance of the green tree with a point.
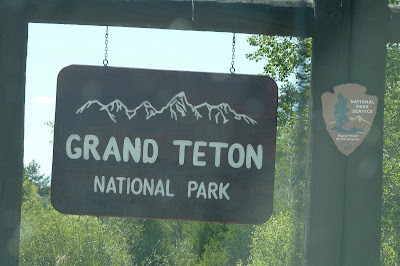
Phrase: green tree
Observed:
(289, 61)
(154, 244)
(228, 247)
(273, 241)
(29, 192)
(32, 174)
(340, 114)
(390, 248)
(51, 238)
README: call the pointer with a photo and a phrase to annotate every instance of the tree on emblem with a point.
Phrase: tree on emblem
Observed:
(340, 114)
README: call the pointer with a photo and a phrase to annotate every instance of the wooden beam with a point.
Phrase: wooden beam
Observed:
(268, 17)
(393, 25)
(13, 41)
(344, 192)
(272, 17)
(327, 173)
(363, 180)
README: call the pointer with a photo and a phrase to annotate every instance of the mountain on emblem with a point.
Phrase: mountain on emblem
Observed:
(178, 107)
(348, 113)
(359, 119)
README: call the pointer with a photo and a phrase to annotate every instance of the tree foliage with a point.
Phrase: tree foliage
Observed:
(229, 246)
(32, 174)
(390, 252)
(51, 238)
(288, 60)
(273, 241)
(284, 56)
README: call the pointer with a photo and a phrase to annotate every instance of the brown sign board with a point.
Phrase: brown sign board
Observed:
(164, 144)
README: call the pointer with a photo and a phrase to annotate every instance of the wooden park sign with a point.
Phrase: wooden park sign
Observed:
(164, 144)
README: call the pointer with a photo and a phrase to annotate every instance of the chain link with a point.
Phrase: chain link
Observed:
(105, 61)
(232, 69)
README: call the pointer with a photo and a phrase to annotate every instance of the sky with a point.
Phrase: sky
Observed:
(52, 47)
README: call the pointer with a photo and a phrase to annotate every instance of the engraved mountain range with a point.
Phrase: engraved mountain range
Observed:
(177, 107)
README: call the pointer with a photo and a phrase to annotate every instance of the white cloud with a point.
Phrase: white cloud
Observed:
(43, 100)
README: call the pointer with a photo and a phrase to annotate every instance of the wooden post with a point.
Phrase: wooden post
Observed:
(344, 192)
(13, 41)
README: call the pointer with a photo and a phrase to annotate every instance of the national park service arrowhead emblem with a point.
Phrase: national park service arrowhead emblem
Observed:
(348, 114)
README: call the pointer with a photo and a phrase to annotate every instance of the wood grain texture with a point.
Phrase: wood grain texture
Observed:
(13, 41)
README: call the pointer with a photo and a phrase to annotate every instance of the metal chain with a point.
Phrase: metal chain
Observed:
(105, 61)
(232, 69)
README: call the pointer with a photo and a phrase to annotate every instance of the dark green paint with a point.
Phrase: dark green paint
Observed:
(13, 40)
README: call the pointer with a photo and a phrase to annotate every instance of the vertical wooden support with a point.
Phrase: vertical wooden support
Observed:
(13, 42)
(344, 192)
(327, 166)
(363, 187)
